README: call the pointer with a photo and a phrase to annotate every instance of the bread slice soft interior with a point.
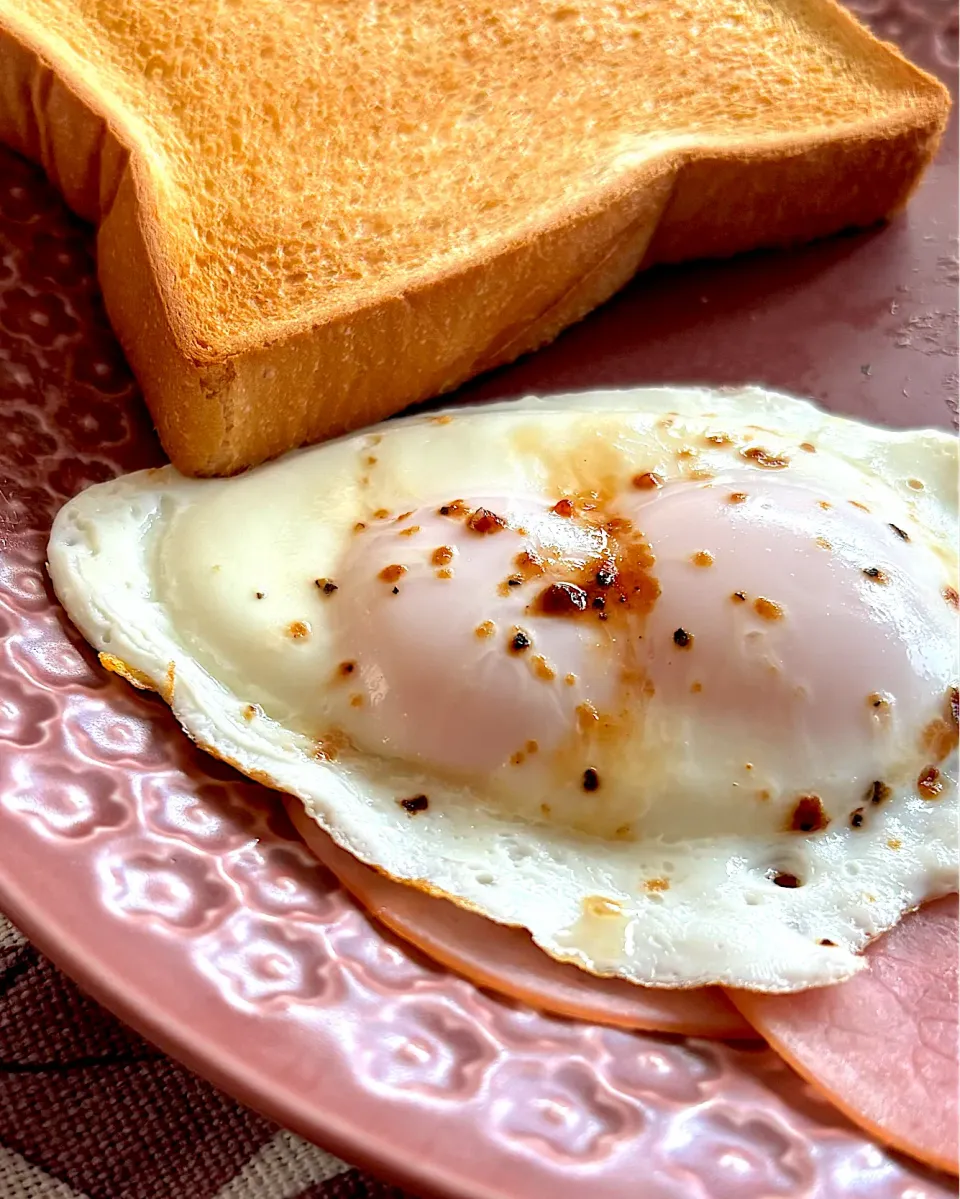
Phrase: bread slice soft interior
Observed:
(315, 212)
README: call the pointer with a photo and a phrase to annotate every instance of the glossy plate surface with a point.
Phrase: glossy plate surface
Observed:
(177, 893)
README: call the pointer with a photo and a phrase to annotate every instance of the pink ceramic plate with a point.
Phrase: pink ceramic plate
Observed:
(177, 893)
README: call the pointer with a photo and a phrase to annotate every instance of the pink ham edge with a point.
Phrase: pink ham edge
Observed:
(507, 961)
(883, 1046)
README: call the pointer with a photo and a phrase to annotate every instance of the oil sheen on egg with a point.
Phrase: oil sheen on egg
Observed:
(667, 677)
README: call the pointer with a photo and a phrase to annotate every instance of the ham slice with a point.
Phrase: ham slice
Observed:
(507, 961)
(882, 1046)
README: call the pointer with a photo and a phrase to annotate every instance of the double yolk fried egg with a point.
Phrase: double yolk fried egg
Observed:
(667, 677)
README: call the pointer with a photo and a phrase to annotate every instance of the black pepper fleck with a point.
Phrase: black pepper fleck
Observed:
(739, 596)
(827, 941)
(900, 532)
(877, 792)
(856, 818)
(520, 641)
(396, 591)
(591, 780)
(598, 602)
(327, 586)
(875, 573)
(514, 581)
(418, 803)
(682, 638)
(259, 594)
(606, 576)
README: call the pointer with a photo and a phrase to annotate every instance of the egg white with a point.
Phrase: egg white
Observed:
(116, 554)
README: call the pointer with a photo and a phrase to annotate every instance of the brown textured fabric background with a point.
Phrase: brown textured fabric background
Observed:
(88, 1109)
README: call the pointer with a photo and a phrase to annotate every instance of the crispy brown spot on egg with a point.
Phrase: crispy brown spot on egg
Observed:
(736, 497)
(915, 484)
(563, 507)
(930, 784)
(876, 574)
(359, 527)
(824, 544)
(298, 630)
(455, 508)
(381, 514)
(531, 747)
(880, 703)
(761, 457)
(656, 884)
(878, 792)
(696, 687)
(570, 679)
(329, 747)
(416, 803)
(808, 447)
(485, 521)
(597, 905)
(356, 701)
(809, 815)
(327, 586)
(825, 505)
(486, 629)
(250, 711)
(562, 599)
(682, 639)
(370, 460)
(767, 609)
(719, 439)
(393, 574)
(518, 758)
(894, 843)
(409, 531)
(857, 504)
(545, 809)
(444, 573)
(686, 451)
(542, 668)
(702, 558)
(442, 555)
(345, 669)
(941, 734)
(648, 481)
(950, 595)
(587, 716)
(442, 418)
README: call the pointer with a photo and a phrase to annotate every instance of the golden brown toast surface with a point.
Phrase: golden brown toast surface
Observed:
(300, 171)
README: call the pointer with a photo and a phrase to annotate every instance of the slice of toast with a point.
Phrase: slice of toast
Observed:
(315, 212)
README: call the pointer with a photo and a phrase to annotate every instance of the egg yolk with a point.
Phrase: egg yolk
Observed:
(747, 641)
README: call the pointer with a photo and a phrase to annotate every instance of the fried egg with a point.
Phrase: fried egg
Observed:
(667, 677)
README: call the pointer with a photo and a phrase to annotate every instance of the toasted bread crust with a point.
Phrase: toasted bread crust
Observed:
(222, 407)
